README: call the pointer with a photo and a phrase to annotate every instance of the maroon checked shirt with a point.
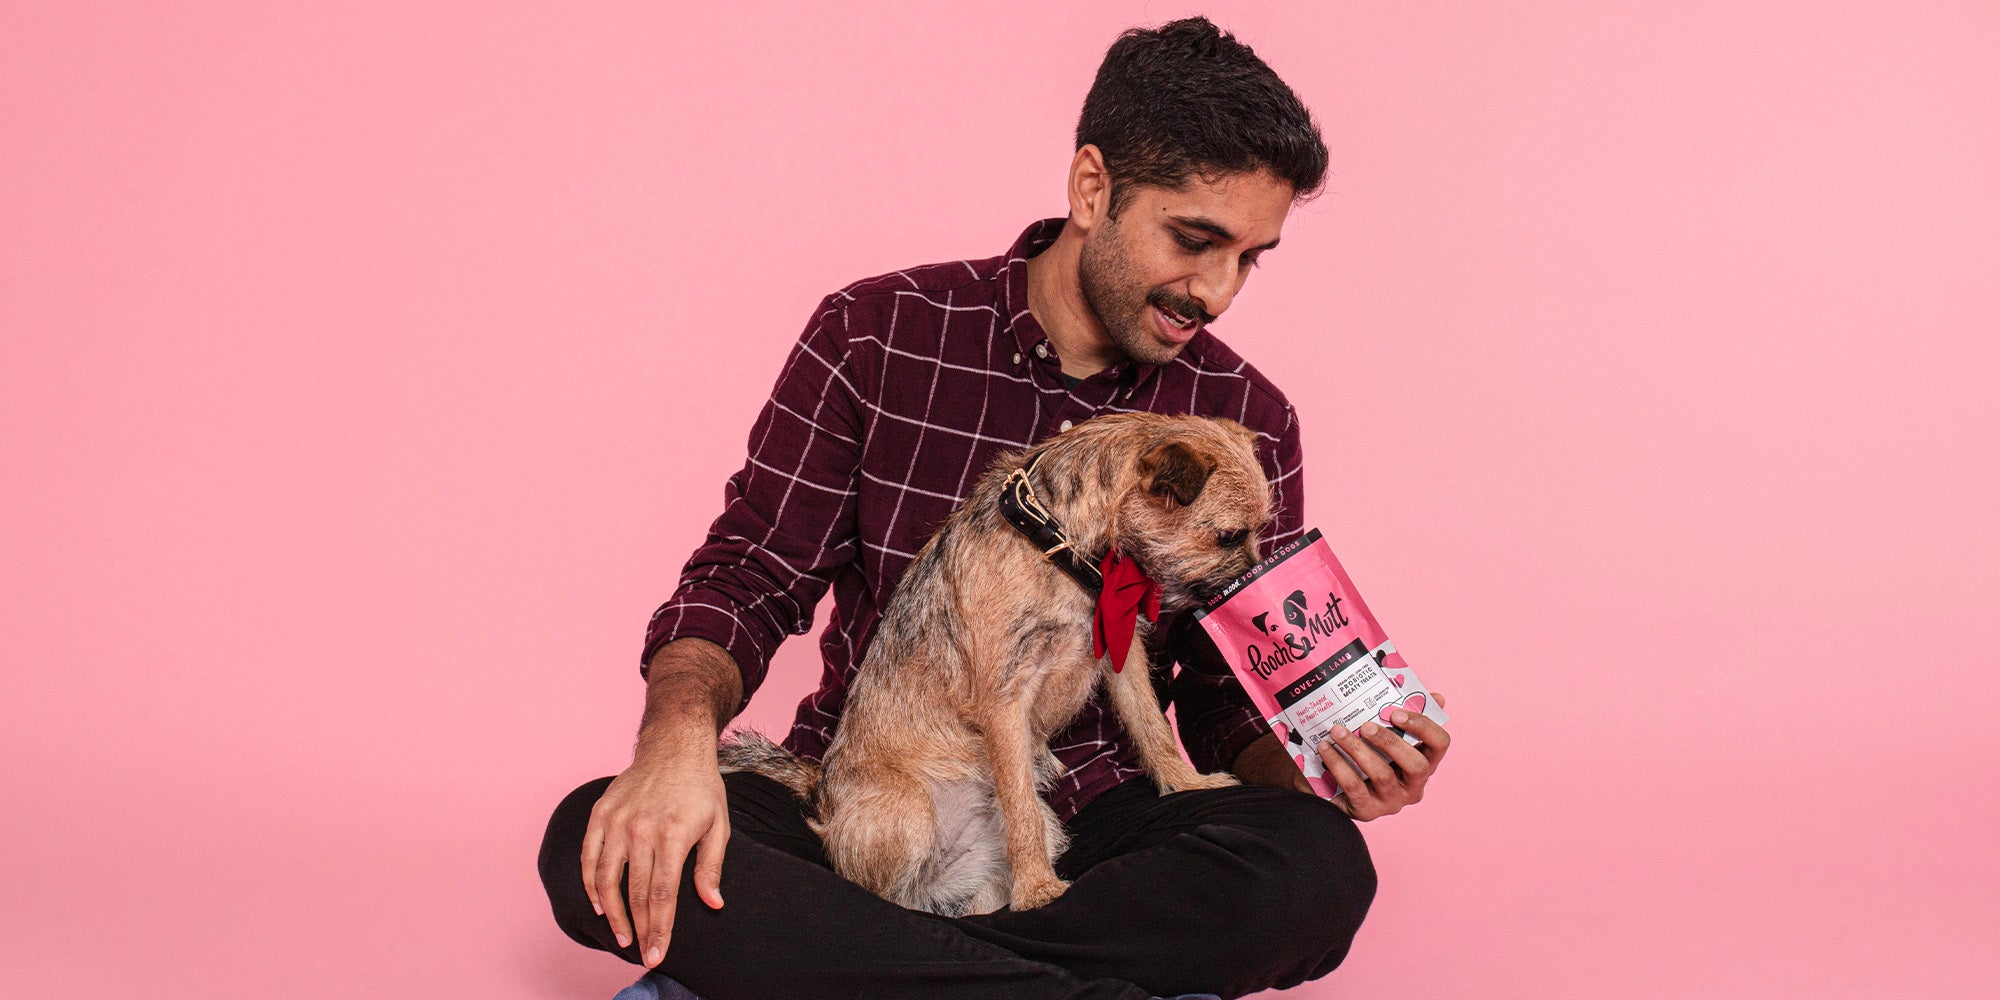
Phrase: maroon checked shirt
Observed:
(898, 396)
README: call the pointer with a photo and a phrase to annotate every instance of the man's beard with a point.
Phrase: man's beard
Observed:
(1117, 302)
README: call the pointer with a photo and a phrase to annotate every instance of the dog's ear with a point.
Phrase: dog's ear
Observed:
(1175, 470)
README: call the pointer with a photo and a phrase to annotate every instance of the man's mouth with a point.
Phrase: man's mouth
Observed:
(1176, 326)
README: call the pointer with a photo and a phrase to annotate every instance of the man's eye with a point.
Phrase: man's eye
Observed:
(1187, 244)
(1250, 259)
(1230, 539)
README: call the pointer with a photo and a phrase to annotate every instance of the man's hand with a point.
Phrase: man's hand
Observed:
(1386, 786)
(648, 819)
(670, 801)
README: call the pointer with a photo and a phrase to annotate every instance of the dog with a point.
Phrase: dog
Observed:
(929, 793)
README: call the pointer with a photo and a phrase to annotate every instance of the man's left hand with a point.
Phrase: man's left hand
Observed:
(1386, 786)
(1392, 778)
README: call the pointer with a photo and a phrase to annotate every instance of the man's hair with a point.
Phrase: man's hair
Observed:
(1188, 99)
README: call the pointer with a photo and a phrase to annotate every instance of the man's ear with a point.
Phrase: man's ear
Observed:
(1089, 188)
(1174, 470)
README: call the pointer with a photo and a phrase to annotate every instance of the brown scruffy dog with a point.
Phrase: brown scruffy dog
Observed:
(929, 792)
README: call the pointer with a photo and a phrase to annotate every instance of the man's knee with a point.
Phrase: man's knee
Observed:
(561, 864)
(1307, 885)
(1330, 881)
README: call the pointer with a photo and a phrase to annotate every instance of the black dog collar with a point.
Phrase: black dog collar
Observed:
(1021, 508)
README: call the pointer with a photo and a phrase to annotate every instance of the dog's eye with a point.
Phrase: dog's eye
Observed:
(1230, 539)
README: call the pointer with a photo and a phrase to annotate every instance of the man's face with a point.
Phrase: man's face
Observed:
(1173, 260)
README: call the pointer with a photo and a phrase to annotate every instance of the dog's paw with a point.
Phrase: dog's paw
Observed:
(1038, 890)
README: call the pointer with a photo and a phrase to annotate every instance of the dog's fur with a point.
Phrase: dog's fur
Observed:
(929, 793)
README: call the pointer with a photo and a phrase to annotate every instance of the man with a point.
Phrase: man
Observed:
(901, 391)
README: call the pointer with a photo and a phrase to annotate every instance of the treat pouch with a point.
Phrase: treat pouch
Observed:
(1305, 647)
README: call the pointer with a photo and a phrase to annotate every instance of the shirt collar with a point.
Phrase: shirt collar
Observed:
(1028, 332)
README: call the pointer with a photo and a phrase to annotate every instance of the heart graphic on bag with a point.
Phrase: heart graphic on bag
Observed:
(1398, 678)
(1414, 703)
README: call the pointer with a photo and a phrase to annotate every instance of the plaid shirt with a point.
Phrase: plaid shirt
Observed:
(897, 398)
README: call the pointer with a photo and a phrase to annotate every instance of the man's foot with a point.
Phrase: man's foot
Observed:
(654, 986)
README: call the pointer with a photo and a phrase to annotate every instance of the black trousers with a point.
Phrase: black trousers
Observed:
(1225, 891)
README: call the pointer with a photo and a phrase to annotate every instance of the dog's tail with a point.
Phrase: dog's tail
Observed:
(750, 750)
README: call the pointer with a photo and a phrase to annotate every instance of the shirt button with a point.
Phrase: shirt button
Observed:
(1042, 350)
(1017, 357)
(1065, 425)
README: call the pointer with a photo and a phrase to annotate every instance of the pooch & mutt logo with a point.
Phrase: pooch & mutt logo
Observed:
(1292, 647)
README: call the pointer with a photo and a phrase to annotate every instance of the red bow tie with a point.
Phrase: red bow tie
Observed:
(1128, 592)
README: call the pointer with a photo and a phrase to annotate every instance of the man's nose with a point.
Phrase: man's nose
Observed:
(1215, 287)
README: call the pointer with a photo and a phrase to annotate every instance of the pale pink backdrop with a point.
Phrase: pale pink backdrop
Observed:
(370, 369)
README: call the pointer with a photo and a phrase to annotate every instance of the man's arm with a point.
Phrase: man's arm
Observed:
(1220, 724)
(1266, 761)
(788, 519)
(1217, 720)
(692, 690)
(786, 528)
(669, 801)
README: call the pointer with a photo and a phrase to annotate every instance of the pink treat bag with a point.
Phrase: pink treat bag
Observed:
(1297, 634)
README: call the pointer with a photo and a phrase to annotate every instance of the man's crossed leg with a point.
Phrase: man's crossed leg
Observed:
(1225, 891)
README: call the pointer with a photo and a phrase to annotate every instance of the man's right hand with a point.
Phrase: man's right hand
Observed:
(669, 802)
(649, 819)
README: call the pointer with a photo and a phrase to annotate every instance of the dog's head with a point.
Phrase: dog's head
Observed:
(1191, 504)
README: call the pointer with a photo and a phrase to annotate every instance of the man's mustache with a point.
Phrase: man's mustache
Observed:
(1184, 308)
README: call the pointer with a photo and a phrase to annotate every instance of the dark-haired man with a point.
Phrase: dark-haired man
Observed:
(902, 390)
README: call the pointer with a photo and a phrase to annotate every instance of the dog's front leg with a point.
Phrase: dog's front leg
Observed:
(1138, 708)
(1011, 751)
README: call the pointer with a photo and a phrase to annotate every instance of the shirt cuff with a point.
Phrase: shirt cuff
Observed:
(1222, 740)
(699, 620)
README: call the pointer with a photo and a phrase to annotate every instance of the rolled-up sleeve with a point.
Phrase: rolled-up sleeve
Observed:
(1215, 715)
(787, 526)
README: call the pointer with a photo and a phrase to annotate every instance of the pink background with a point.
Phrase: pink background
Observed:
(369, 372)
